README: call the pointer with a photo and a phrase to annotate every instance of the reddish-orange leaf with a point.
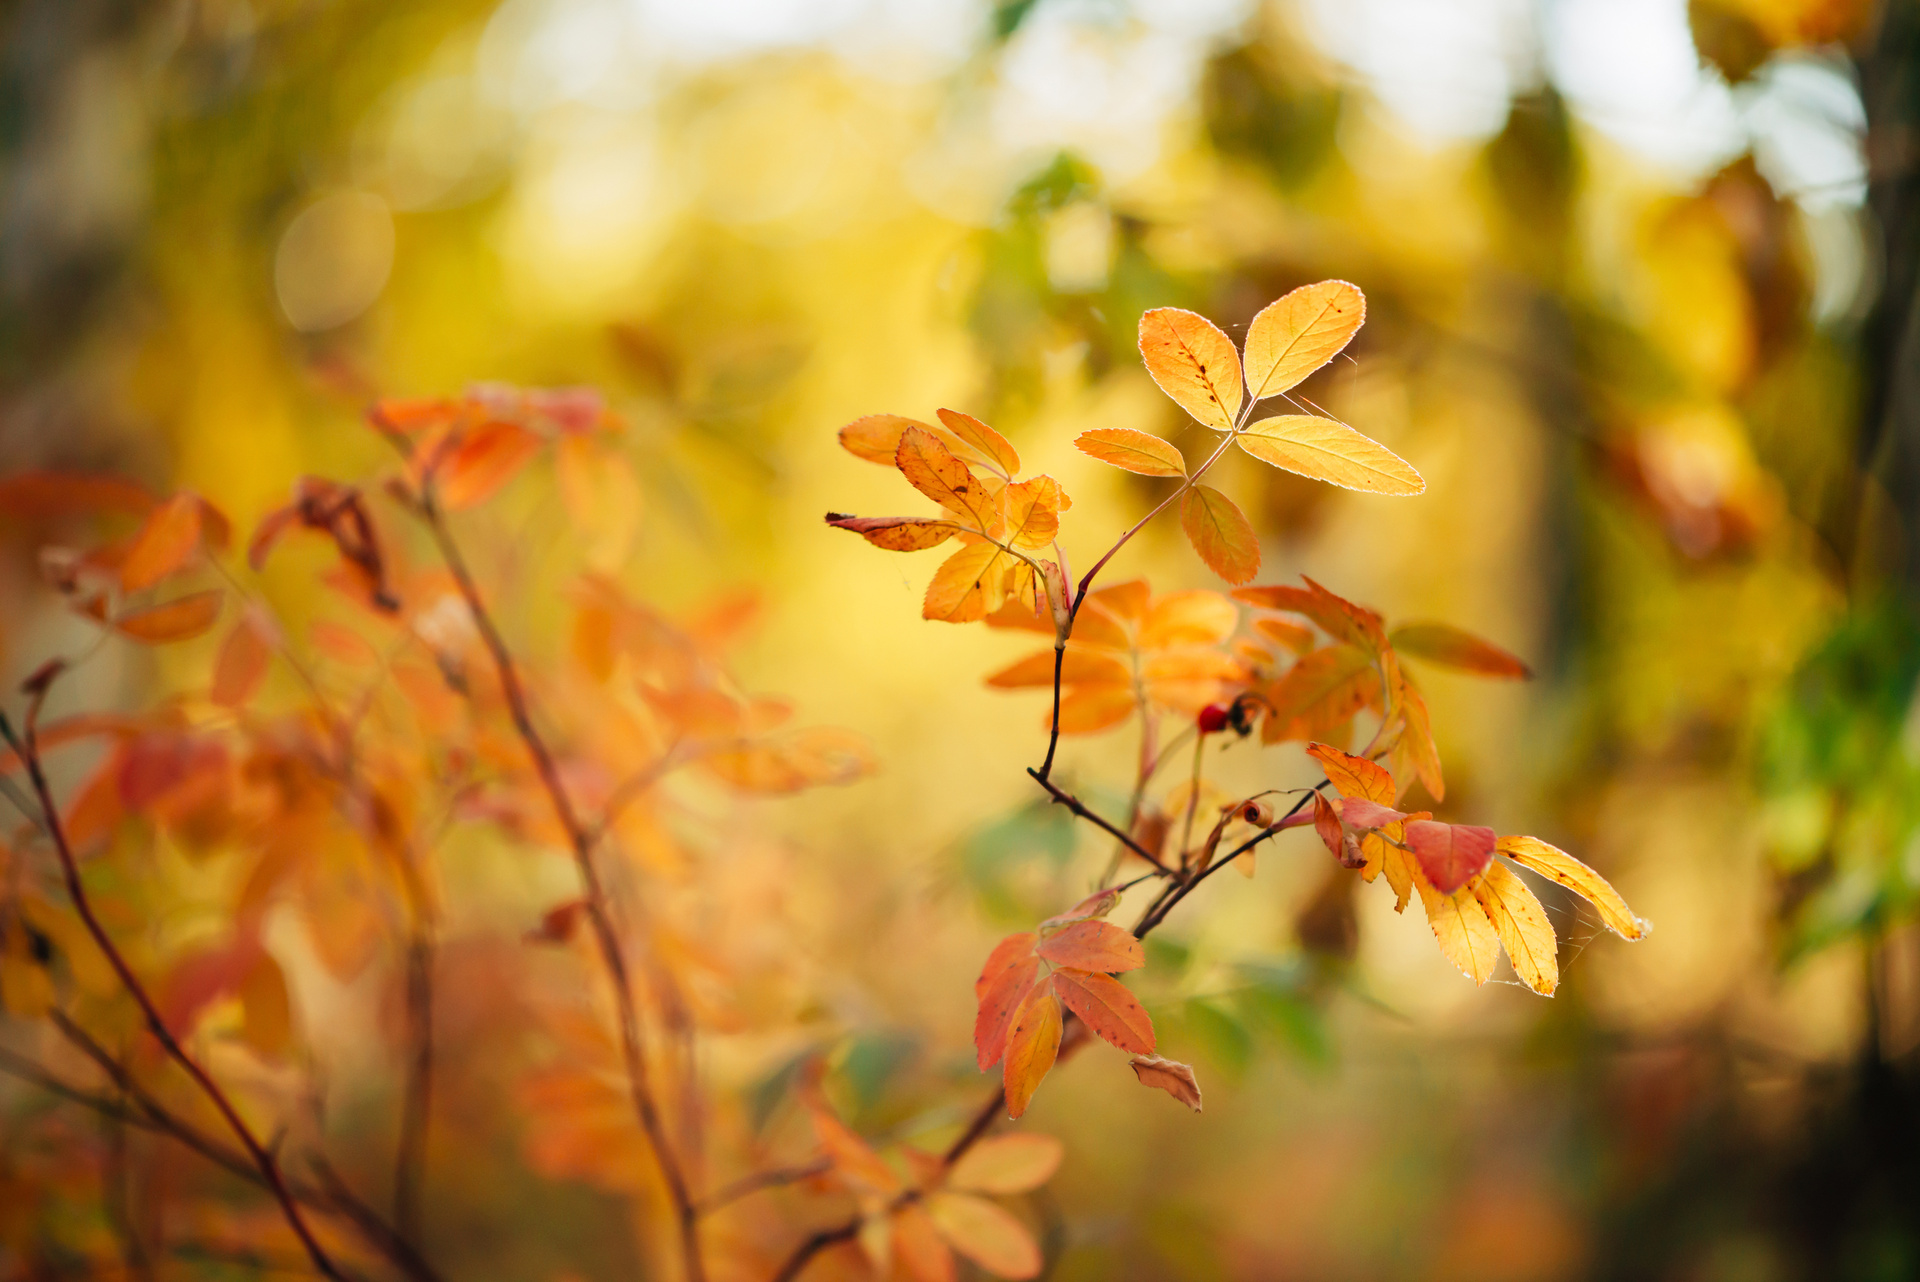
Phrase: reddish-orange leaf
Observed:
(242, 663)
(1451, 647)
(1354, 776)
(1007, 1164)
(1327, 824)
(1001, 988)
(1194, 363)
(1032, 1045)
(996, 448)
(1416, 750)
(1358, 812)
(896, 533)
(1293, 636)
(169, 538)
(1318, 693)
(986, 1234)
(1107, 1007)
(1093, 945)
(484, 460)
(918, 1248)
(411, 414)
(1135, 451)
(1296, 334)
(1450, 855)
(1171, 1076)
(1220, 533)
(31, 495)
(931, 468)
(1098, 904)
(1338, 617)
(174, 620)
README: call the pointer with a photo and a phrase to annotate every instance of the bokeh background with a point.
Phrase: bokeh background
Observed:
(1641, 282)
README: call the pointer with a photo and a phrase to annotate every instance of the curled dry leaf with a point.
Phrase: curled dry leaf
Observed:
(1195, 363)
(1299, 332)
(896, 533)
(1134, 451)
(1220, 533)
(1168, 1075)
(1452, 647)
(177, 620)
(1328, 450)
(1007, 1164)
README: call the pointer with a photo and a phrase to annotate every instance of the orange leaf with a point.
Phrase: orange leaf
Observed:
(1451, 647)
(1193, 617)
(995, 447)
(1194, 363)
(170, 536)
(998, 992)
(1098, 904)
(931, 468)
(1107, 1007)
(1338, 617)
(1328, 450)
(1091, 709)
(1220, 533)
(242, 663)
(1450, 855)
(852, 1157)
(1327, 824)
(1299, 332)
(1007, 1164)
(986, 1234)
(918, 1248)
(1557, 864)
(1033, 512)
(1416, 749)
(1124, 600)
(1077, 667)
(1293, 636)
(1032, 1045)
(1171, 1076)
(1523, 927)
(484, 460)
(896, 533)
(174, 620)
(1318, 693)
(969, 585)
(876, 438)
(1135, 451)
(1467, 938)
(48, 494)
(1354, 776)
(1093, 945)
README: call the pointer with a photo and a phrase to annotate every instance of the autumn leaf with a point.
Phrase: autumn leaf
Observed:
(1467, 938)
(1452, 647)
(242, 662)
(1032, 1045)
(1320, 692)
(1194, 363)
(1077, 666)
(1007, 1164)
(1338, 617)
(1171, 1076)
(1135, 451)
(1107, 1007)
(918, 1248)
(169, 537)
(1354, 776)
(1558, 865)
(876, 438)
(1327, 824)
(483, 461)
(1450, 855)
(1033, 512)
(1092, 945)
(896, 533)
(969, 585)
(998, 992)
(986, 1234)
(853, 1158)
(1220, 533)
(1523, 927)
(1299, 332)
(995, 448)
(1328, 450)
(1188, 618)
(42, 494)
(1415, 753)
(931, 468)
(176, 620)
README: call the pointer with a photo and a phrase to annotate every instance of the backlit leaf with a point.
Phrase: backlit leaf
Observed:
(1107, 1007)
(1191, 617)
(876, 438)
(1453, 647)
(1327, 824)
(1093, 945)
(896, 533)
(484, 461)
(1354, 776)
(242, 663)
(1328, 450)
(1338, 617)
(1091, 709)
(1323, 690)
(1077, 667)
(1220, 533)
(1416, 751)
(1171, 1076)
(994, 447)
(969, 585)
(986, 1234)
(1098, 904)
(1033, 512)
(1032, 1045)
(1551, 862)
(917, 1246)
(175, 620)
(931, 468)
(1467, 938)
(1007, 1164)
(170, 536)
(1194, 363)
(1450, 855)
(1135, 451)
(1002, 986)
(1299, 332)
(1522, 923)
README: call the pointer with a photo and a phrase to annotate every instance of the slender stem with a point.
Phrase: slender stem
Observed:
(1073, 803)
(598, 904)
(267, 1165)
(759, 1180)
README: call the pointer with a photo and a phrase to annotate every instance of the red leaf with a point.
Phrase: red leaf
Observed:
(1093, 945)
(1002, 985)
(1106, 1006)
(1450, 854)
(484, 460)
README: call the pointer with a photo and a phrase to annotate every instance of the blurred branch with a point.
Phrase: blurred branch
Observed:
(747, 1184)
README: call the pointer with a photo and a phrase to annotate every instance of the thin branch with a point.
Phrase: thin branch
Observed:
(748, 1184)
(70, 870)
(598, 905)
(1074, 804)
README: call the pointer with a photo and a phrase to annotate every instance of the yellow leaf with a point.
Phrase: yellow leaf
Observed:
(1299, 332)
(931, 468)
(1416, 751)
(1135, 451)
(1171, 1076)
(1007, 1164)
(1032, 1046)
(170, 536)
(1522, 923)
(986, 1234)
(1220, 533)
(1467, 938)
(1548, 861)
(896, 533)
(1033, 512)
(970, 585)
(1194, 363)
(999, 452)
(1330, 451)
(876, 438)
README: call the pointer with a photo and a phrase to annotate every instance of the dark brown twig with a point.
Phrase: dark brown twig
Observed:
(1074, 804)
